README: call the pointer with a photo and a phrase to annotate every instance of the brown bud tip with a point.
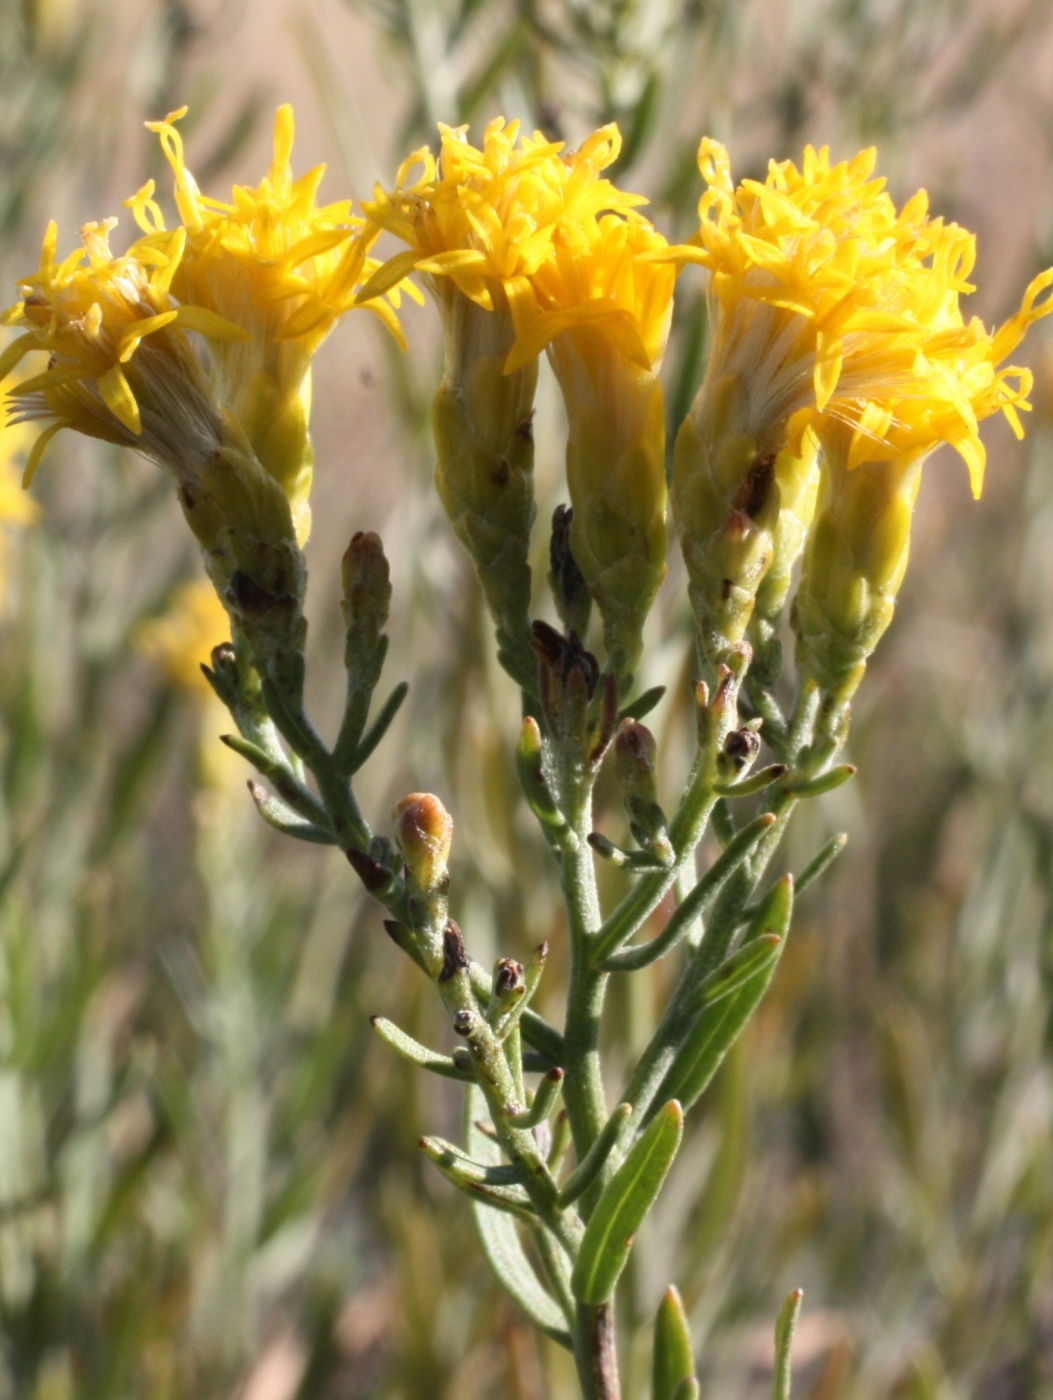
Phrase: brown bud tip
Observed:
(424, 832)
(635, 745)
(364, 561)
(741, 746)
(463, 1022)
(555, 1074)
(508, 977)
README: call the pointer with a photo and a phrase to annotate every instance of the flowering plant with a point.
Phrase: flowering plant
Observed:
(840, 359)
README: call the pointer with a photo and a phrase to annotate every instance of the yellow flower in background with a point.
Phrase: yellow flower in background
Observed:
(284, 270)
(605, 301)
(120, 366)
(180, 640)
(17, 509)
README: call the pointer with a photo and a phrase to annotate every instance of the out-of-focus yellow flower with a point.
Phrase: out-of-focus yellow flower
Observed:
(281, 268)
(120, 366)
(16, 507)
(834, 312)
(180, 640)
(605, 305)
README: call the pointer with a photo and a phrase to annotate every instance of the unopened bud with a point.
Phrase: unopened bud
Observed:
(567, 680)
(635, 754)
(569, 589)
(853, 567)
(424, 832)
(366, 581)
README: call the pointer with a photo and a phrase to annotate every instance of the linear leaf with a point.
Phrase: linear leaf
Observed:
(719, 1024)
(502, 1246)
(415, 1052)
(620, 1211)
(785, 1327)
(674, 1359)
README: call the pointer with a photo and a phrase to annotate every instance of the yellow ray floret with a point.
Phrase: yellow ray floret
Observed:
(119, 365)
(480, 217)
(834, 305)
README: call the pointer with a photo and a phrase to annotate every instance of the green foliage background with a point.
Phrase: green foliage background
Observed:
(209, 1183)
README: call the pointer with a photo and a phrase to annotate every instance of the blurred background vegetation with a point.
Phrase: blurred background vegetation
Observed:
(208, 1177)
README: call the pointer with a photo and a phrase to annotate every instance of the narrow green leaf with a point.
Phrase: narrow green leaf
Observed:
(380, 725)
(674, 1359)
(821, 862)
(785, 1327)
(284, 819)
(502, 1246)
(620, 1211)
(756, 782)
(643, 704)
(739, 849)
(823, 782)
(495, 1185)
(545, 1096)
(718, 1026)
(415, 1052)
(737, 969)
(588, 1169)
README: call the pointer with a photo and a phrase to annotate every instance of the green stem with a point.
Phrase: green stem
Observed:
(583, 1092)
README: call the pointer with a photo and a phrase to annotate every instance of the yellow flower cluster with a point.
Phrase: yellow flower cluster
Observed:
(538, 239)
(16, 508)
(481, 219)
(839, 358)
(120, 367)
(263, 279)
(838, 308)
(281, 268)
(838, 329)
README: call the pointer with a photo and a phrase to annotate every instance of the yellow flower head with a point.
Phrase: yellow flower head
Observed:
(833, 306)
(284, 270)
(120, 366)
(481, 218)
(181, 639)
(604, 300)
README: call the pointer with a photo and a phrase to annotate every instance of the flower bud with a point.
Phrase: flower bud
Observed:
(366, 581)
(569, 588)
(635, 754)
(424, 833)
(853, 567)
